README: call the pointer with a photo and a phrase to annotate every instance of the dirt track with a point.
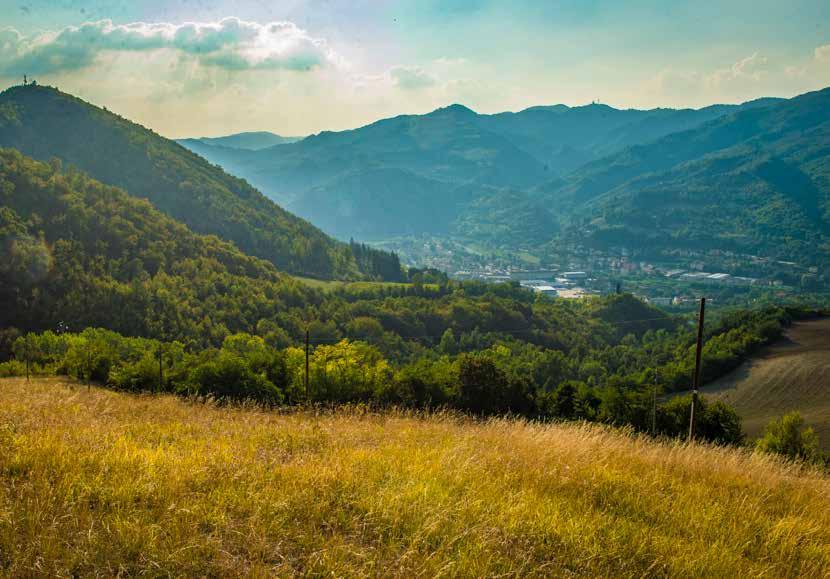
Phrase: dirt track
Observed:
(793, 374)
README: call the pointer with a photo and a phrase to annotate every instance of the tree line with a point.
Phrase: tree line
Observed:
(480, 373)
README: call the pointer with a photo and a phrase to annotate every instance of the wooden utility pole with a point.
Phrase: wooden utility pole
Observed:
(698, 351)
(88, 368)
(306, 366)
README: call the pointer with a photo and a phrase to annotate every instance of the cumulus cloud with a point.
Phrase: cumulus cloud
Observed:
(231, 43)
(411, 77)
(823, 53)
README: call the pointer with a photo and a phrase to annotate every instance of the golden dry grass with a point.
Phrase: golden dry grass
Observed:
(97, 482)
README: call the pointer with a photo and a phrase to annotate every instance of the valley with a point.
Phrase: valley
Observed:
(415, 289)
(740, 190)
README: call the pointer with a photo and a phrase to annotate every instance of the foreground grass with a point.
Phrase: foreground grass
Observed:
(102, 482)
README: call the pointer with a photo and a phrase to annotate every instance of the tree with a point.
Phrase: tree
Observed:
(714, 421)
(229, 377)
(788, 436)
(447, 344)
(480, 381)
(563, 400)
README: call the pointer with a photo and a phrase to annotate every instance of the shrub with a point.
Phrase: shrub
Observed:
(228, 376)
(714, 422)
(788, 437)
(12, 368)
(141, 375)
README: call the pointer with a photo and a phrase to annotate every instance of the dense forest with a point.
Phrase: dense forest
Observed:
(43, 123)
(80, 254)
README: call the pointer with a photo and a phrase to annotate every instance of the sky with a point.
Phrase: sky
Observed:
(296, 67)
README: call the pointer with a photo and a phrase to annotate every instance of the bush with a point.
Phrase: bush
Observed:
(714, 422)
(229, 377)
(788, 437)
(142, 375)
(12, 368)
(485, 389)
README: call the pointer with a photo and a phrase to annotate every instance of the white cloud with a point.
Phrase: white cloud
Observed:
(411, 77)
(822, 53)
(231, 44)
(752, 68)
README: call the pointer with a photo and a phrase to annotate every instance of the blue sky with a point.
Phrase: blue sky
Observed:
(208, 67)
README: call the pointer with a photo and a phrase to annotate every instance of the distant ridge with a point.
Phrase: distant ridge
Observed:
(251, 141)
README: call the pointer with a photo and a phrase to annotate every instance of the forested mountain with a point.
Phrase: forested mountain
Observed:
(753, 181)
(83, 253)
(437, 173)
(43, 123)
(252, 141)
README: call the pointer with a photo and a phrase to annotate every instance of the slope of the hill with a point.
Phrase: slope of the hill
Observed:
(42, 122)
(77, 252)
(455, 150)
(252, 141)
(97, 482)
(793, 374)
(756, 181)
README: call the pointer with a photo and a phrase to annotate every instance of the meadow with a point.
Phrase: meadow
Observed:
(96, 482)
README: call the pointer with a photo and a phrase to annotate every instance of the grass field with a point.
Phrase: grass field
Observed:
(793, 374)
(98, 482)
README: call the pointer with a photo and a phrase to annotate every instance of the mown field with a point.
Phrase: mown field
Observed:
(99, 482)
(793, 374)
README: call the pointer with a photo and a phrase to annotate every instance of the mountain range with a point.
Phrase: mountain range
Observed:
(751, 178)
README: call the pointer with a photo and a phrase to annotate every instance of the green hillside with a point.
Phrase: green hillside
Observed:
(96, 284)
(43, 123)
(756, 181)
(80, 253)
